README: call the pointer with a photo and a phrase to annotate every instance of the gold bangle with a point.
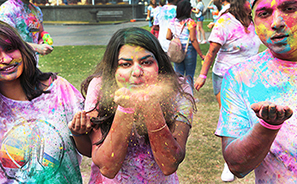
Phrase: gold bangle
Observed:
(159, 128)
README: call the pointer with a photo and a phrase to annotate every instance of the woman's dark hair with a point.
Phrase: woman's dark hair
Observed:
(31, 78)
(237, 9)
(106, 71)
(218, 4)
(171, 1)
(183, 10)
(162, 2)
(154, 5)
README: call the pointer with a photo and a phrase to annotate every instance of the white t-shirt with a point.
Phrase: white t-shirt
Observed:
(163, 17)
(236, 44)
(193, 3)
(152, 10)
(156, 11)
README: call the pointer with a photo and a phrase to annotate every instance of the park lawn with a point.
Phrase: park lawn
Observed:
(74, 63)
(203, 162)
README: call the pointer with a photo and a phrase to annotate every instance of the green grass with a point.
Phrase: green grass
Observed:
(205, 23)
(74, 63)
(203, 162)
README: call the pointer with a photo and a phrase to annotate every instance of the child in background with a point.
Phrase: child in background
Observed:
(151, 12)
(198, 10)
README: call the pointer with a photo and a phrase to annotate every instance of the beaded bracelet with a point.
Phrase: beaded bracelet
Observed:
(202, 76)
(269, 126)
(126, 110)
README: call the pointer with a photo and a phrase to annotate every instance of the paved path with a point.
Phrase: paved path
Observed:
(87, 34)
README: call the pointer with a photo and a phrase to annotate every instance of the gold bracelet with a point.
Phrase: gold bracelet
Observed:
(158, 129)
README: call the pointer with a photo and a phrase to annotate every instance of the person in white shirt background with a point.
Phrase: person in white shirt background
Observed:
(163, 17)
(232, 40)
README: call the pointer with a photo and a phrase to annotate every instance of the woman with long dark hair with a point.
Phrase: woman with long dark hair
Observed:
(184, 27)
(35, 107)
(140, 110)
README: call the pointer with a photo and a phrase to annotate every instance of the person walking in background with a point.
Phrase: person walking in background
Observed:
(225, 6)
(232, 40)
(151, 12)
(184, 27)
(155, 28)
(162, 19)
(158, 8)
(215, 9)
(141, 113)
(35, 107)
(27, 19)
(198, 10)
(257, 121)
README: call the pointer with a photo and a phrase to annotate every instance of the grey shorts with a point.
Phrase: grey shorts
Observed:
(216, 83)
